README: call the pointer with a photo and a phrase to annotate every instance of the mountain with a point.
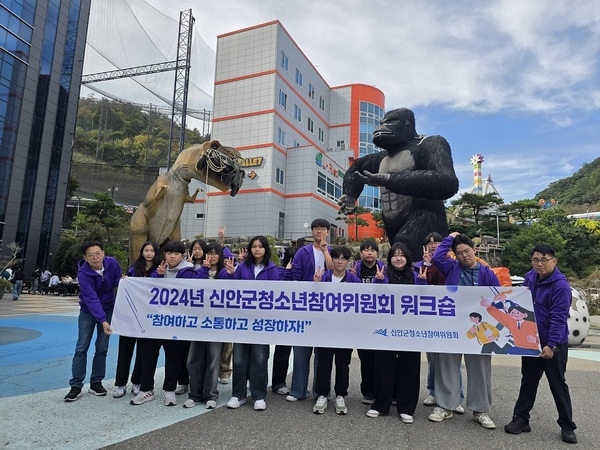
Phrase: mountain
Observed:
(577, 192)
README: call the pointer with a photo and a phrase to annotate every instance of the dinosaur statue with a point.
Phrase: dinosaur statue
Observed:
(157, 218)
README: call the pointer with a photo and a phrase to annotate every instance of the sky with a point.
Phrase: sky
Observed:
(517, 81)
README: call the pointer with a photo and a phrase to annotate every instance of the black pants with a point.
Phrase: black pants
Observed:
(397, 376)
(174, 352)
(532, 369)
(126, 347)
(343, 356)
(184, 376)
(281, 361)
(367, 372)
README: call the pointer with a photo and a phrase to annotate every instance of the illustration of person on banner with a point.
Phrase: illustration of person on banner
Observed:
(521, 324)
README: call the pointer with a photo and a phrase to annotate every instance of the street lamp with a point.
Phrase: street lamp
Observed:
(113, 190)
(587, 210)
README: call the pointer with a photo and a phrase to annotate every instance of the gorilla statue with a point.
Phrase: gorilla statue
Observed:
(415, 174)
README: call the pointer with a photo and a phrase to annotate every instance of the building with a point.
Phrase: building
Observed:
(42, 45)
(297, 136)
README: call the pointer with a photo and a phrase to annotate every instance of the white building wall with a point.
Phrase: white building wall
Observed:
(247, 115)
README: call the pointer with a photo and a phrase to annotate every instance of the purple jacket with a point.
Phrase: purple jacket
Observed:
(184, 269)
(245, 271)
(285, 274)
(202, 273)
(97, 292)
(551, 302)
(451, 267)
(303, 264)
(358, 267)
(350, 277)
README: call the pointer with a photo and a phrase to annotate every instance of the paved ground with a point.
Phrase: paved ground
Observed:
(37, 337)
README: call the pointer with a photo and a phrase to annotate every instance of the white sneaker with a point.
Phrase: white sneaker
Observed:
(340, 405)
(260, 405)
(429, 400)
(291, 398)
(484, 420)
(189, 403)
(320, 405)
(406, 418)
(282, 390)
(119, 391)
(142, 397)
(170, 398)
(135, 389)
(210, 404)
(181, 389)
(235, 402)
(440, 414)
(372, 413)
(459, 410)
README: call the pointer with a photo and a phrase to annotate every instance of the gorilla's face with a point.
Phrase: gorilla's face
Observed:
(396, 129)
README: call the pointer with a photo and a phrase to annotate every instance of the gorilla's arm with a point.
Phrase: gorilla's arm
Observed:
(433, 177)
(354, 182)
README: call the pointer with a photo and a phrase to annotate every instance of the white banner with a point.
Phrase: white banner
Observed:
(345, 315)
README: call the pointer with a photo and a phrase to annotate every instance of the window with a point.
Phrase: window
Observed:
(282, 99)
(297, 113)
(284, 60)
(328, 188)
(281, 136)
(341, 145)
(311, 91)
(296, 143)
(311, 125)
(322, 103)
(281, 225)
(200, 216)
(298, 77)
(321, 135)
(279, 176)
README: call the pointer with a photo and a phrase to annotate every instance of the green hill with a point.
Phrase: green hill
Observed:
(575, 192)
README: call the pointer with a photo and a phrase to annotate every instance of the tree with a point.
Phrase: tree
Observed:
(113, 219)
(356, 220)
(517, 254)
(525, 210)
(13, 258)
(473, 205)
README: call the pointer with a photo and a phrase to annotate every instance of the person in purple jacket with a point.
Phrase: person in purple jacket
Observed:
(551, 294)
(250, 360)
(146, 263)
(98, 277)
(465, 270)
(174, 266)
(397, 372)
(307, 261)
(370, 269)
(325, 355)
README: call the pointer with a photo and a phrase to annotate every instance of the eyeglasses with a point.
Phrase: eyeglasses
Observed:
(97, 255)
(542, 260)
(463, 253)
(320, 229)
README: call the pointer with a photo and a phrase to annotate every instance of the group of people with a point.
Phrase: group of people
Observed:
(387, 377)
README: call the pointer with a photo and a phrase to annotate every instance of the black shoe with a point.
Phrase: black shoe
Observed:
(73, 394)
(568, 436)
(97, 388)
(517, 426)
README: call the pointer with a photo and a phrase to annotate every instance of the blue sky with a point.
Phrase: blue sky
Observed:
(515, 80)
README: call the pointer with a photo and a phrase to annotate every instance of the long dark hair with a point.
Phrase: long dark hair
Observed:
(139, 265)
(214, 246)
(265, 244)
(203, 246)
(404, 276)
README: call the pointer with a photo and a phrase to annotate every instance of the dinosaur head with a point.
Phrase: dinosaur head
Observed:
(213, 164)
